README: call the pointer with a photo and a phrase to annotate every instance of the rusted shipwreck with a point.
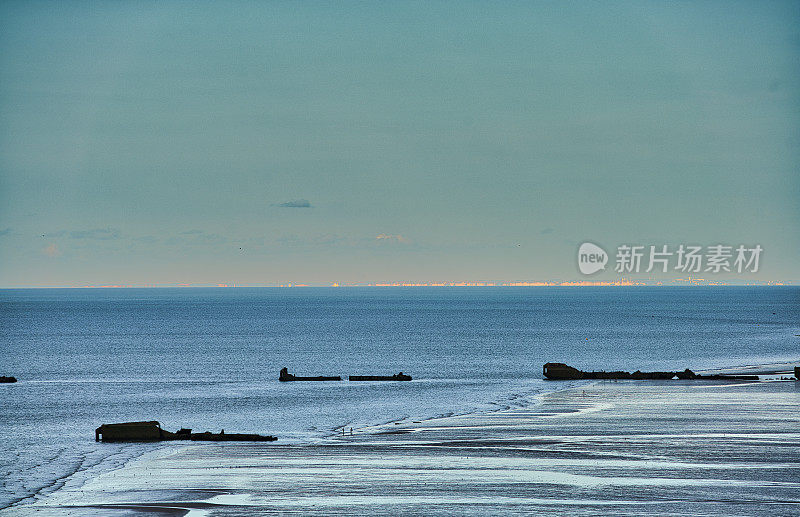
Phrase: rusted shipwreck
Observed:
(285, 376)
(562, 372)
(396, 377)
(151, 432)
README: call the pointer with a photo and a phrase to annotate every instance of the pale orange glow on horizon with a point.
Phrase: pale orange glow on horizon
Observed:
(622, 282)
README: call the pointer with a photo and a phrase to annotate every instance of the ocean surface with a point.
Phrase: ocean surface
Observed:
(208, 359)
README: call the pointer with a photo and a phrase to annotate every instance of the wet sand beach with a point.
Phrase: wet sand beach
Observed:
(624, 448)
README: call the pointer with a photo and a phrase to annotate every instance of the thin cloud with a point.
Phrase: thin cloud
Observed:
(147, 239)
(7, 231)
(297, 203)
(321, 240)
(103, 234)
(546, 231)
(386, 237)
(195, 238)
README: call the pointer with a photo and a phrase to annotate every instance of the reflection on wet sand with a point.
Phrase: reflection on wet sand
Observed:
(639, 448)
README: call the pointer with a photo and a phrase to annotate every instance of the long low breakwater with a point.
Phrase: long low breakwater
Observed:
(285, 376)
(151, 432)
(563, 372)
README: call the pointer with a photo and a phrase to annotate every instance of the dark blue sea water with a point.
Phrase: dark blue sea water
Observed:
(209, 358)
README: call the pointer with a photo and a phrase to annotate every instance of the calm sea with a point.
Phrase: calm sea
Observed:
(208, 359)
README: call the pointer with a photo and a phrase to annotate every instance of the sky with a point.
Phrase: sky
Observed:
(260, 143)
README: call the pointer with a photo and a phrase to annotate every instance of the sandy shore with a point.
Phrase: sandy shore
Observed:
(621, 448)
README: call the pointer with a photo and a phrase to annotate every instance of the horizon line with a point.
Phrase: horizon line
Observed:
(680, 282)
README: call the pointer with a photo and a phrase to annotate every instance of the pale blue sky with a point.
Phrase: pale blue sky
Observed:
(156, 142)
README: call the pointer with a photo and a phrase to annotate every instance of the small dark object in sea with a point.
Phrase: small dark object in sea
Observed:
(4, 379)
(562, 372)
(396, 377)
(285, 376)
(151, 432)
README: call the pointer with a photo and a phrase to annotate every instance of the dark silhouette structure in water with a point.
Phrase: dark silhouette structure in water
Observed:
(396, 377)
(562, 372)
(151, 432)
(285, 376)
(6, 380)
